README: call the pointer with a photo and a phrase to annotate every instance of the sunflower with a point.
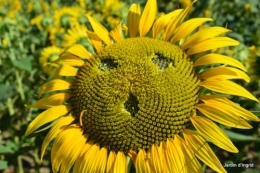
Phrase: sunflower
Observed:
(37, 21)
(12, 6)
(48, 55)
(142, 99)
(75, 35)
(66, 17)
(82, 3)
(253, 63)
(112, 10)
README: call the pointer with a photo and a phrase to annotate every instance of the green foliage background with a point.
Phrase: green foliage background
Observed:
(21, 74)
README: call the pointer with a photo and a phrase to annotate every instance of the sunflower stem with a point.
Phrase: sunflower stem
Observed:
(10, 106)
(20, 164)
(19, 158)
(36, 160)
(20, 85)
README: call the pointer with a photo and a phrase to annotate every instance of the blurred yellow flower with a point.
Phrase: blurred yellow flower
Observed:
(66, 17)
(13, 7)
(82, 4)
(113, 12)
(185, 3)
(75, 35)
(37, 21)
(247, 8)
(45, 6)
(253, 63)
(55, 34)
(48, 55)
(5, 42)
(29, 7)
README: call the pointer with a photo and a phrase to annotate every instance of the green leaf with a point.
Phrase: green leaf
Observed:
(236, 36)
(257, 113)
(5, 91)
(3, 164)
(258, 154)
(23, 64)
(240, 137)
(4, 149)
(10, 144)
(253, 2)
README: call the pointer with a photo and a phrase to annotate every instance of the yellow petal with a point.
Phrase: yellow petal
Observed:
(161, 23)
(192, 163)
(64, 152)
(220, 113)
(101, 166)
(70, 60)
(80, 164)
(224, 73)
(213, 133)
(202, 150)
(176, 150)
(133, 19)
(218, 59)
(124, 29)
(227, 87)
(175, 22)
(157, 159)
(111, 162)
(46, 117)
(212, 43)
(117, 33)
(148, 17)
(79, 51)
(120, 164)
(202, 35)
(100, 30)
(89, 159)
(50, 101)
(99, 160)
(59, 126)
(187, 27)
(231, 106)
(142, 162)
(169, 159)
(66, 70)
(95, 40)
(54, 85)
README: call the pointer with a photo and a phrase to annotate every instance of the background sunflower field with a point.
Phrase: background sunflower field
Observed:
(33, 33)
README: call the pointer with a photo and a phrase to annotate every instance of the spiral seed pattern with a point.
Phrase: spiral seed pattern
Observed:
(135, 93)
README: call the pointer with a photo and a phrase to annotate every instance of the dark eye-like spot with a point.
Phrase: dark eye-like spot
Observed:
(131, 105)
(107, 64)
(161, 61)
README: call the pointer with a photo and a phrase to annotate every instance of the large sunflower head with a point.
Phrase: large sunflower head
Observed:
(142, 96)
